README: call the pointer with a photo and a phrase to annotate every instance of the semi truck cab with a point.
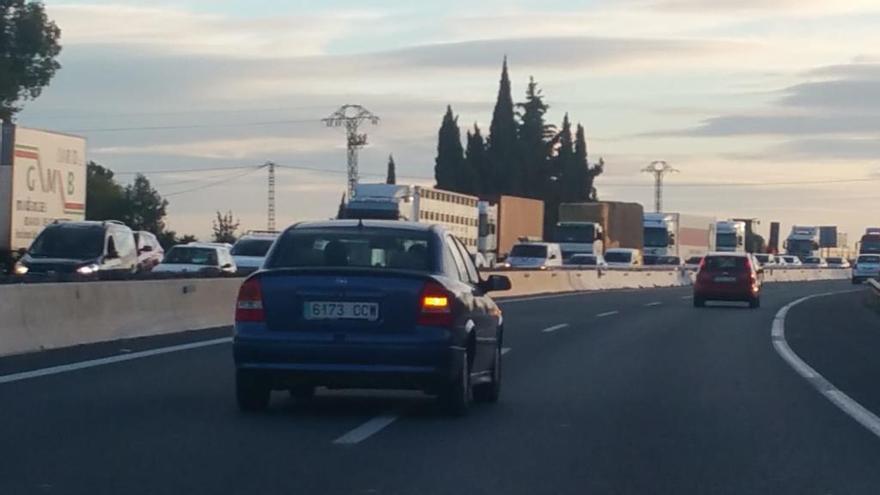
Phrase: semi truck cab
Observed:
(579, 238)
(730, 236)
(659, 234)
(802, 242)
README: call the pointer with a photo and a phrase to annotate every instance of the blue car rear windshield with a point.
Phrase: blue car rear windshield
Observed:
(353, 247)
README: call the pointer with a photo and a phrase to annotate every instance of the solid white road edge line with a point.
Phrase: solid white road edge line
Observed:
(366, 430)
(555, 328)
(846, 404)
(607, 313)
(54, 370)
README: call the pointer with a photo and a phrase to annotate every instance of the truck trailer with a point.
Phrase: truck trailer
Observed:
(677, 234)
(457, 212)
(42, 180)
(591, 228)
(503, 220)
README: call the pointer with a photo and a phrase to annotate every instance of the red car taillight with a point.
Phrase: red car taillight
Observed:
(435, 305)
(249, 305)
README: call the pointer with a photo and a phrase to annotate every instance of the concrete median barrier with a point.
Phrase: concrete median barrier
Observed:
(35, 317)
(50, 316)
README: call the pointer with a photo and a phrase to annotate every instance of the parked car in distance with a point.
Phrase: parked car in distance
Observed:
(791, 260)
(197, 258)
(150, 252)
(581, 259)
(866, 266)
(815, 262)
(377, 304)
(668, 261)
(84, 248)
(693, 262)
(541, 255)
(623, 257)
(766, 259)
(249, 252)
(727, 277)
(838, 263)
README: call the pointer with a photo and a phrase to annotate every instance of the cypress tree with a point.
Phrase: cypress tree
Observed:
(501, 152)
(566, 167)
(450, 155)
(476, 167)
(391, 175)
(582, 182)
(534, 141)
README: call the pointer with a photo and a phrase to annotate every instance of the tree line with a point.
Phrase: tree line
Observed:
(523, 155)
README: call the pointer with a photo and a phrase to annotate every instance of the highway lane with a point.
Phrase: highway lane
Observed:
(653, 397)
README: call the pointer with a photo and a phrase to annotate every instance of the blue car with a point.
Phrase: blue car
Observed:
(368, 304)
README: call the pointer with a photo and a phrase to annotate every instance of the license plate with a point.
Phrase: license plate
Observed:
(327, 310)
(725, 279)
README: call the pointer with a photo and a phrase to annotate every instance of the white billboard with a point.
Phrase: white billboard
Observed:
(48, 182)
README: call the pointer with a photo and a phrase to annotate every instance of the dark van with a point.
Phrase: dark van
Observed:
(84, 248)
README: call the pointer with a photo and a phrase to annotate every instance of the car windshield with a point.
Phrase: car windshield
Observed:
(868, 259)
(694, 260)
(353, 247)
(528, 251)
(763, 258)
(835, 260)
(575, 233)
(726, 240)
(812, 261)
(188, 255)
(583, 260)
(252, 247)
(668, 260)
(724, 263)
(656, 237)
(69, 241)
(618, 257)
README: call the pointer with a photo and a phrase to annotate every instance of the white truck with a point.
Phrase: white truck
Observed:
(730, 236)
(677, 234)
(42, 179)
(803, 242)
(457, 212)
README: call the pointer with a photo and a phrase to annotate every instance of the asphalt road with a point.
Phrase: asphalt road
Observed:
(632, 392)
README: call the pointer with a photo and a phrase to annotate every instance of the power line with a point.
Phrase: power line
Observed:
(751, 184)
(183, 170)
(212, 184)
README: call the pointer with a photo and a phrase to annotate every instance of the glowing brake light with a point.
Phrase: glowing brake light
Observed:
(249, 305)
(435, 305)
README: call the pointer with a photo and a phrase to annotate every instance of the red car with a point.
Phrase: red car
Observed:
(728, 277)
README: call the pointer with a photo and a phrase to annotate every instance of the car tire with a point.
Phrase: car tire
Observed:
(302, 392)
(251, 393)
(699, 302)
(457, 397)
(491, 392)
(755, 302)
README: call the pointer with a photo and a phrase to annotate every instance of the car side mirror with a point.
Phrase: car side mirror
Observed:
(553, 256)
(226, 266)
(147, 249)
(112, 254)
(495, 283)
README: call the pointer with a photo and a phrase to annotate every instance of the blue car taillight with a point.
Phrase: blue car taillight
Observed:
(249, 305)
(435, 305)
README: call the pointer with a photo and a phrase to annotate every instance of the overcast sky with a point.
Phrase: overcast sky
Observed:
(727, 91)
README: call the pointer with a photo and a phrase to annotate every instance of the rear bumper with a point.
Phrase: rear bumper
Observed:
(726, 294)
(284, 362)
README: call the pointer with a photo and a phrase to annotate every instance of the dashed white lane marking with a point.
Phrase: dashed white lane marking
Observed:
(366, 430)
(54, 370)
(505, 350)
(846, 404)
(555, 328)
(686, 298)
(651, 304)
(607, 313)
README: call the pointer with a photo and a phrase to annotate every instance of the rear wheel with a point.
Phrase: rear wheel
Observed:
(699, 302)
(457, 397)
(251, 393)
(490, 392)
(755, 302)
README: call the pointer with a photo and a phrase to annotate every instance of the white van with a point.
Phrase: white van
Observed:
(623, 257)
(541, 255)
